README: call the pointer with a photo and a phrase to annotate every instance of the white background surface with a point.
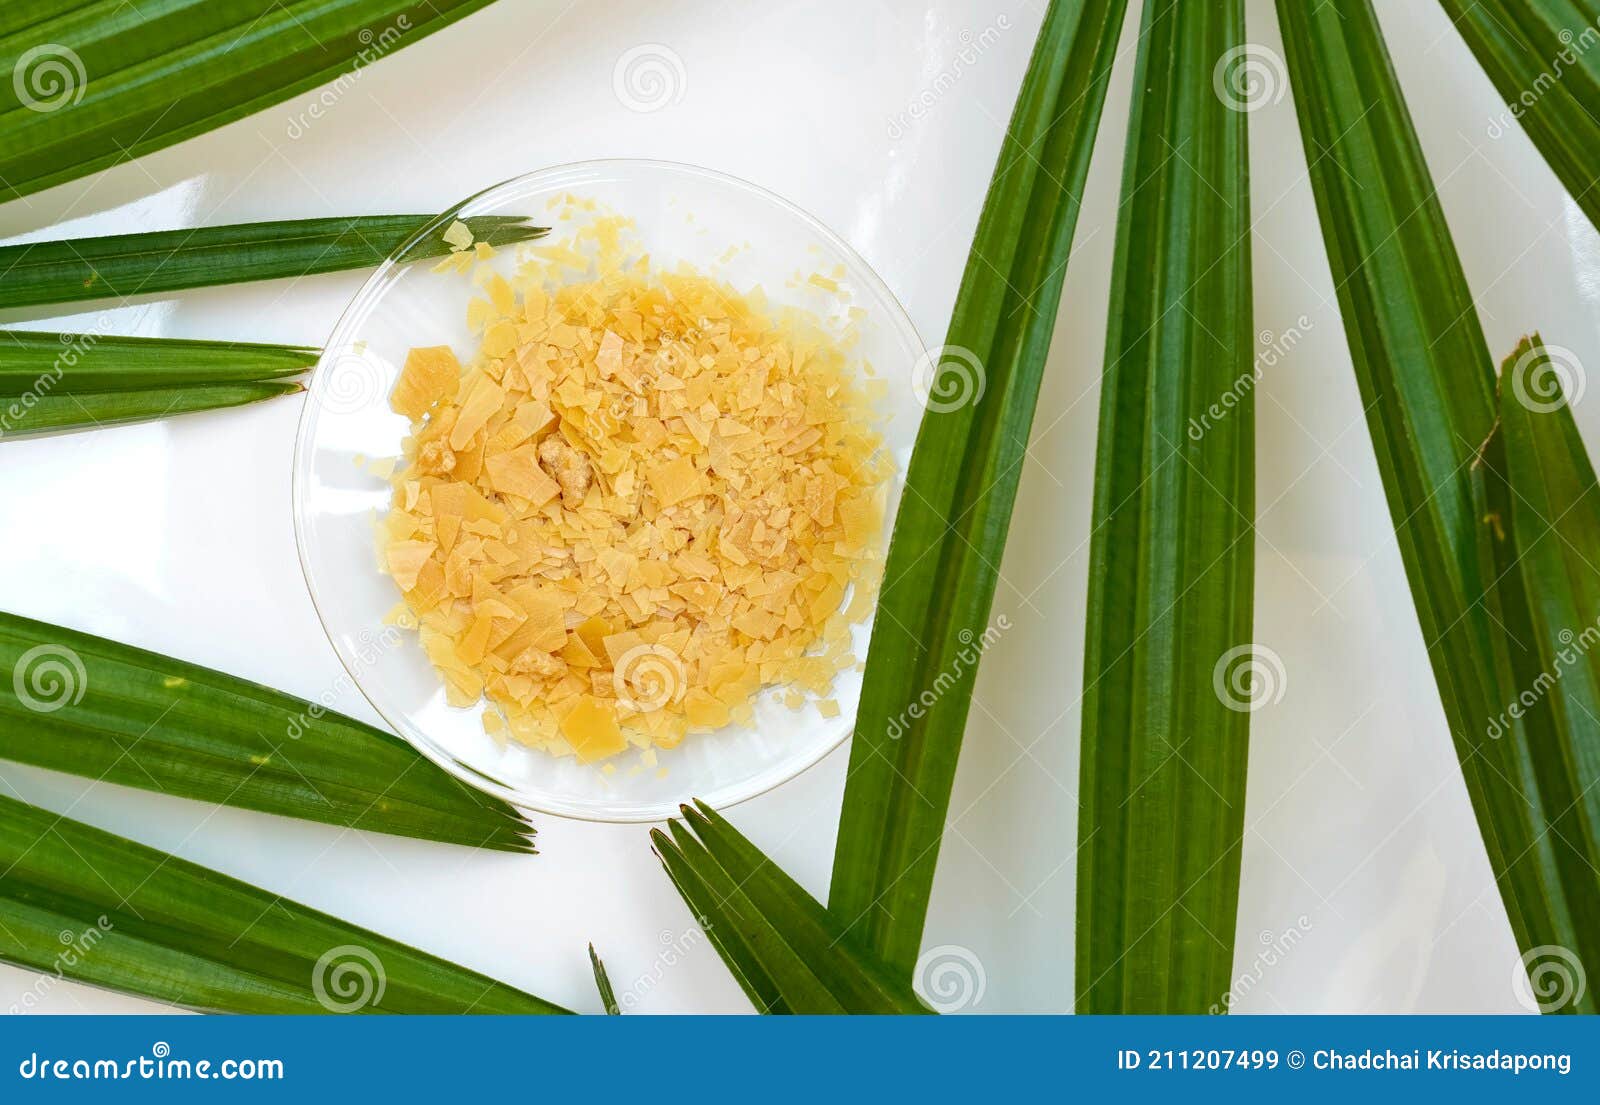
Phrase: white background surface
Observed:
(177, 536)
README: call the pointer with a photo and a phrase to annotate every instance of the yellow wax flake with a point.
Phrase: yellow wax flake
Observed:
(500, 293)
(406, 559)
(499, 339)
(673, 480)
(430, 374)
(476, 641)
(545, 610)
(518, 473)
(645, 499)
(704, 711)
(483, 402)
(458, 235)
(591, 729)
(609, 358)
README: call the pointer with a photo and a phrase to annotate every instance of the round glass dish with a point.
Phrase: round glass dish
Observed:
(683, 214)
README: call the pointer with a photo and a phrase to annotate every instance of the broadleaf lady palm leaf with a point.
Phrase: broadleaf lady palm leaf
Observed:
(940, 576)
(29, 416)
(1543, 59)
(1427, 382)
(787, 951)
(102, 82)
(121, 265)
(78, 364)
(1163, 762)
(77, 703)
(100, 909)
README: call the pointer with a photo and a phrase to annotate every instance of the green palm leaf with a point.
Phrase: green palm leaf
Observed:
(1162, 777)
(122, 265)
(602, 983)
(78, 364)
(100, 909)
(1539, 532)
(104, 81)
(84, 705)
(1427, 383)
(786, 950)
(30, 415)
(940, 575)
(55, 382)
(1541, 58)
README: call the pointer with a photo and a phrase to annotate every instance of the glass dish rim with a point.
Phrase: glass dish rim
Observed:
(372, 289)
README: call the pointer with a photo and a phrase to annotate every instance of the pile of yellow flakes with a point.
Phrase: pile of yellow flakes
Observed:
(643, 500)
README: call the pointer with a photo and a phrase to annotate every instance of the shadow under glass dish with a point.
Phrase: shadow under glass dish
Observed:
(682, 214)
